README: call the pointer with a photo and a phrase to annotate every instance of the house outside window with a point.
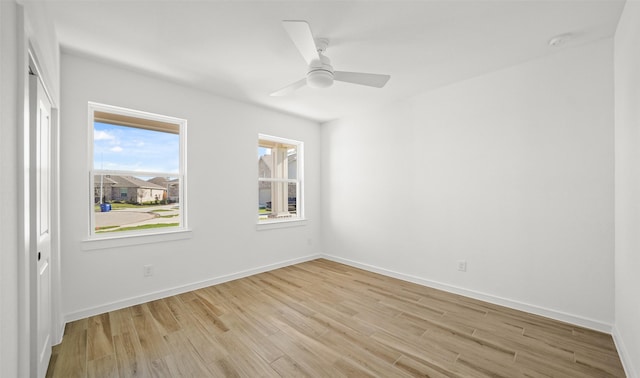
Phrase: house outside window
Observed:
(280, 179)
(137, 172)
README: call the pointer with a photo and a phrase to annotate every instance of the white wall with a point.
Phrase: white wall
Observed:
(44, 42)
(222, 191)
(8, 170)
(627, 188)
(23, 27)
(511, 171)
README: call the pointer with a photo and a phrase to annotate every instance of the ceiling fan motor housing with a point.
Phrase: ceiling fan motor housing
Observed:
(320, 74)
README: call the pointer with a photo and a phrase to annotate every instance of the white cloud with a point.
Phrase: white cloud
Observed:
(116, 149)
(102, 135)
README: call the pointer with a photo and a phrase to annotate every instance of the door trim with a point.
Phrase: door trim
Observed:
(28, 61)
(57, 323)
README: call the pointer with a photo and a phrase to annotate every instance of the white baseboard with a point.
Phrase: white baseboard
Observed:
(60, 335)
(624, 354)
(549, 313)
(85, 313)
(553, 314)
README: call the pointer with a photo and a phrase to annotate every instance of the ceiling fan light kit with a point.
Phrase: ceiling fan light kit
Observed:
(320, 73)
(560, 40)
(319, 79)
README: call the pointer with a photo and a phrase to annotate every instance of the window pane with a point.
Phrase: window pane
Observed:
(264, 162)
(281, 161)
(291, 198)
(264, 200)
(292, 163)
(277, 200)
(135, 202)
(122, 148)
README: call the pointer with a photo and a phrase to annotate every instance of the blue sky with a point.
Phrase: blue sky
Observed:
(131, 149)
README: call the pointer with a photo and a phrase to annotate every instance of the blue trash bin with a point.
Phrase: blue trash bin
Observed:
(104, 207)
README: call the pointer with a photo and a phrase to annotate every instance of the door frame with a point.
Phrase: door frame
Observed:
(27, 355)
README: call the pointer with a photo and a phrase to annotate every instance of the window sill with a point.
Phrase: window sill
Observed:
(134, 239)
(270, 225)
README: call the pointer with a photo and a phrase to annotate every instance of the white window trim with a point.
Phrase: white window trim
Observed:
(133, 238)
(300, 219)
(107, 240)
(275, 224)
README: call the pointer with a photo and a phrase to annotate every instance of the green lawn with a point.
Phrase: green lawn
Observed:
(119, 206)
(141, 227)
(103, 228)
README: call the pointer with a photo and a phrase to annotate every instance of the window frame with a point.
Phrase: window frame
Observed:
(299, 181)
(94, 107)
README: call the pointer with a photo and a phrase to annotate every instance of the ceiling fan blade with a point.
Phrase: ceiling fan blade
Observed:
(371, 80)
(289, 88)
(300, 34)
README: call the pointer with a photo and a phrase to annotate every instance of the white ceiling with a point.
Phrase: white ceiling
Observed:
(240, 50)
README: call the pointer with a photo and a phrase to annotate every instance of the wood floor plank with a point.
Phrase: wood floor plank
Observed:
(245, 361)
(555, 368)
(600, 360)
(417, 349)
(121, 321)
(387, 321)
(185, 361)
(151, 341)
(308, 359)
(203, 315)
(370, 357)
(511, 342)
(99, 337)
(418, 369)
(177, 308)
(72, 353)
(253, 339)
(223, 368)
(76, 326)
(325, 319)
(130, 359)
(103, 367)
(160, 368)
(288, 368)
(350, 369)
(161, 313)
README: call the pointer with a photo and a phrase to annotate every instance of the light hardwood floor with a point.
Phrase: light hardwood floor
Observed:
(325, 319)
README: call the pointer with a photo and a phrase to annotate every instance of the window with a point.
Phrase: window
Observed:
(280, 178)
(137, 172)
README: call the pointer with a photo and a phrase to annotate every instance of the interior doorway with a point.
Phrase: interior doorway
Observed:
(41, 262)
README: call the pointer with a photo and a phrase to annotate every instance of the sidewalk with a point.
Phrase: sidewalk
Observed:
(131, 217)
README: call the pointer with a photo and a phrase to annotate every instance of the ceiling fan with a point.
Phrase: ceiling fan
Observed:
(320, 73)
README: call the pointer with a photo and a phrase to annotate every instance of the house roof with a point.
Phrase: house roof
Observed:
(268, 160)
(106, 180)
(162, 181)
(115, 181)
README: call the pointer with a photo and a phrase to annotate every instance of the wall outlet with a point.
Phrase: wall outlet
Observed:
(148, 270)
(462, 265)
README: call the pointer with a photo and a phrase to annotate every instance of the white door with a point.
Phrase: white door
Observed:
(40, 196)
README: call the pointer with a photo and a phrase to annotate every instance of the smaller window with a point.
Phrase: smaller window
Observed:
(280, 173)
